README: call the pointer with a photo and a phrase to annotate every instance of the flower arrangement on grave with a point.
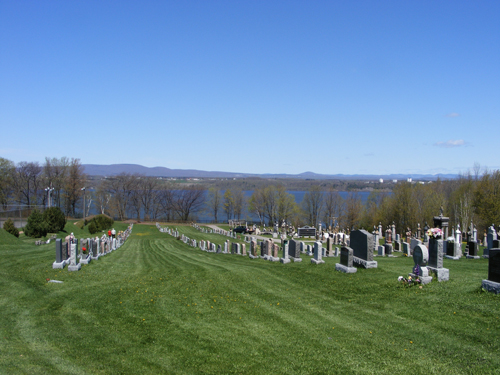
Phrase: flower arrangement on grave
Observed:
(84, 250)
(435, 233)
(411, 281)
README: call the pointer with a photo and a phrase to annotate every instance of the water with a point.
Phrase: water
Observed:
(208, 217)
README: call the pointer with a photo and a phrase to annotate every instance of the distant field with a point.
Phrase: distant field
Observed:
(158, 306)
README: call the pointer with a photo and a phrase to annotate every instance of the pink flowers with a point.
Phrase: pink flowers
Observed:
(435, 233)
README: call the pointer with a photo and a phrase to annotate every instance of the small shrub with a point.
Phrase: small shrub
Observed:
(79, 224)
(92, 228)
(55, 219)
(10, 228)
(36, 226)
(101, 222)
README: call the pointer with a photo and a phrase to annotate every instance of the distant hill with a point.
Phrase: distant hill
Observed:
(116, 169)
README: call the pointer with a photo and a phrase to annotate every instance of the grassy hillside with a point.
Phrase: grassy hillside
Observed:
(158, 306)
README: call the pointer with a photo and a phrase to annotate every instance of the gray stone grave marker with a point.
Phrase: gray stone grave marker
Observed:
(346, 261)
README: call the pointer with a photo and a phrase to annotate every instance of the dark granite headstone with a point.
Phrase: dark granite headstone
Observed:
(435, 253)
(362, 244)
(65, 252)
(494, 266)
(450, 248)
(293, 249)
(472, 248)
(59, 252)
(346, 254)
(496, 244)
(388, 249)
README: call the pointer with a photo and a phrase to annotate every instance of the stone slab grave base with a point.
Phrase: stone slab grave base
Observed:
(273, 259)
(442, 274)
(78, 267)
(284, 261)
(59, 265)
(310, 253)
(364, 263)
(423, 279)
(345, 269)
(491, 286)
(252, 257)
(486, 256)
(295, 260)
(95, 258)
(314, 261)
(85, 260)
(451, 257)
(473, 257)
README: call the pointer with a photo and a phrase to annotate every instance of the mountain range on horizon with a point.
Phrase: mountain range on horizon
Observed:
(116, 169)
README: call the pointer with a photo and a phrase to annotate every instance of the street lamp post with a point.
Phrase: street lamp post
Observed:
(83, 189)
(49, 191)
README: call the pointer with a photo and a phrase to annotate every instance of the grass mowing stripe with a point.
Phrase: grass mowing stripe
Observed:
(159, 306)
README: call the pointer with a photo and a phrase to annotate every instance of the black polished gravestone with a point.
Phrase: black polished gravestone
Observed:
(346, 261)
(59, 251)
(346, 254)
(494, 266)
(472, 248)
(493, 283)
(436, 253)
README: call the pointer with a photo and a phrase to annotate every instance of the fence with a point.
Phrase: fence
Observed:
(18, 213)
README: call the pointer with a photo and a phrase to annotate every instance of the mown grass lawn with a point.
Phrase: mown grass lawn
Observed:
(158, 306)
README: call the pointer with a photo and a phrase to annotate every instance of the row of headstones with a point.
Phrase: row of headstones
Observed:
(40, 242)
(219, 231)
(69, 252)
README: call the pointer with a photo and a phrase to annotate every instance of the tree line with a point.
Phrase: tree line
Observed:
(472, 197)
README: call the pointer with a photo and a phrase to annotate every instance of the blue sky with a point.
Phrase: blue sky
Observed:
(353, 87)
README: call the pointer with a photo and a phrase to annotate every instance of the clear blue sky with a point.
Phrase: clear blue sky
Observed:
(253, 86)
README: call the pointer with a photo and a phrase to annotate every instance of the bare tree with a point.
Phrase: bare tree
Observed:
(312, 204)
(73, 185)
(56, 172)
(228, 204)
(332, 207)
(214, 202)
(148, 187)
(27, 180)
(256, 204)
(188, 201)
(239, 203)
(7, 170)
(353, 211)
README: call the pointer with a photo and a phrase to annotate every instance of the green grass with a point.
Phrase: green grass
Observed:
(157, 305)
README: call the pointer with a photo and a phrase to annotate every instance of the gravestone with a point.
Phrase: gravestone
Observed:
(318, 252)
(361, 242)
(85, 258)
(473, 250)
(436, 255)
(307, 232)
(420, 259)
(493, 283)
(329, 247)
(388, 250)
(414, 242)
(94, 245)
(294, 250)
(219, 249)
(253, 250)
(244, 249)
(59, 263)
(406, 248)
(274, 257)
(74, 265)
(381, 250)
(285, 259)
(346, 261)
(309, 251)
(302, 247)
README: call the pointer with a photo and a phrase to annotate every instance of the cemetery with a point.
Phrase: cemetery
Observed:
(154, 286)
